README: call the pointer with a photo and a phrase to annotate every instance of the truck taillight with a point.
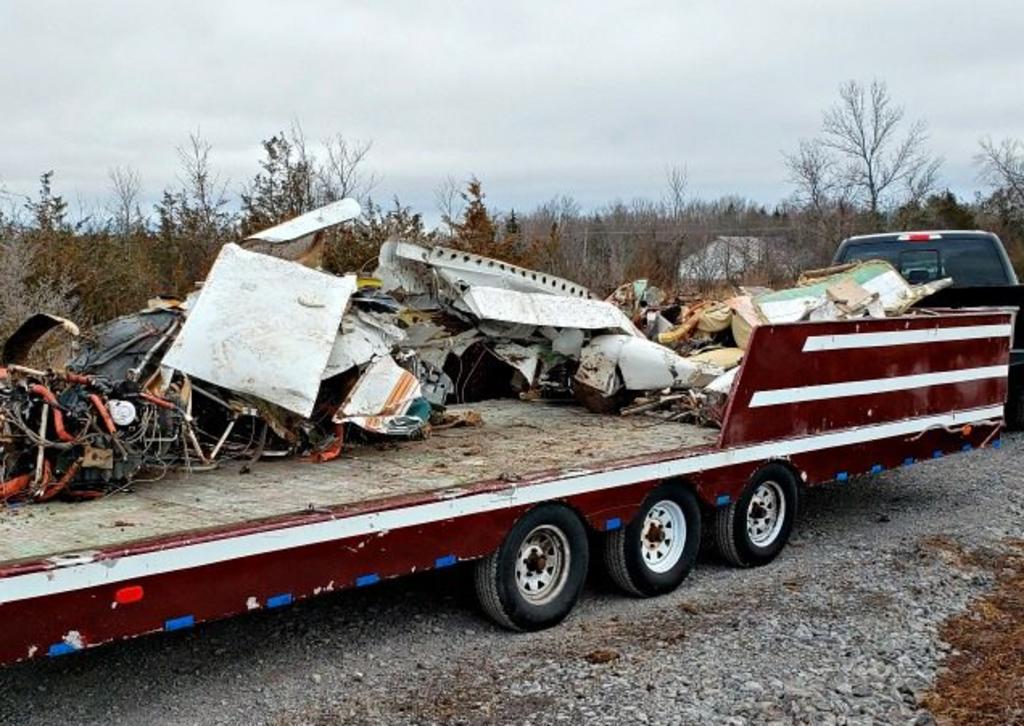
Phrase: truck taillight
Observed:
(918, 237)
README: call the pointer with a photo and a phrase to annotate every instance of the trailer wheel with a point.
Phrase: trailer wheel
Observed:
(535, 577)
(753, 530)
(654, 553)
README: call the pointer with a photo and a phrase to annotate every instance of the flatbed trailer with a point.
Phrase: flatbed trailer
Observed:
(525, 495)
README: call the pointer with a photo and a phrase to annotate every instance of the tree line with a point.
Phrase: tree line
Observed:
(869, 169)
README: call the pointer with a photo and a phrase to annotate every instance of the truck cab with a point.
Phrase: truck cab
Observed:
(982, 277)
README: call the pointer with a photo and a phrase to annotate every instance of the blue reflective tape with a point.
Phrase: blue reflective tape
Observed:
(937, 454)
(613, 523)
(909, 461)
(842, 476)
(997, 444)
(185, 621)
(446, 561)
(723, 499)
(364, 580)
(61, 648)
(966, 447)
(877, 469)
(281, 600)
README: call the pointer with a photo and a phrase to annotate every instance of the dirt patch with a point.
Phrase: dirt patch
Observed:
(982, 681)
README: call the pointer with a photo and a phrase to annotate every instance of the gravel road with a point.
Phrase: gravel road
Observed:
(840, 629)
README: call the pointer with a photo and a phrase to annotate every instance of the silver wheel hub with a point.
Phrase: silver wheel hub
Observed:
(766, 514)
(663, 536)
(543, 564)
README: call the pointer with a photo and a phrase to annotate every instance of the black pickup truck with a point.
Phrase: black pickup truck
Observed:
(982, 276)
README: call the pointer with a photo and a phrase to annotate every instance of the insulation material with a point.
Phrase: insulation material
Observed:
(745, 318)
(876, 277)
(724, 358)
(263, 326)
(714, 318)
(510, 306)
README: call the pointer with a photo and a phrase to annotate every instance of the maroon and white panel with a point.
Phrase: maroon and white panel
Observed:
(808, 379)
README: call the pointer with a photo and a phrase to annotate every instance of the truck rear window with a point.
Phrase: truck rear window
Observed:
(970, 262)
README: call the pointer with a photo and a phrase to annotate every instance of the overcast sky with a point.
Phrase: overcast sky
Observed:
(537, 99)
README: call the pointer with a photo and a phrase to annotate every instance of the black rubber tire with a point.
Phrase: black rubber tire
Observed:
(495, 575)
(623, 548)
(732, 540)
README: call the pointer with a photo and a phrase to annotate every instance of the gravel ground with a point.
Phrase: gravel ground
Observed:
(840, 629)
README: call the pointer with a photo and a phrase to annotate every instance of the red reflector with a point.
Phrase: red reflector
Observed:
(128, 595)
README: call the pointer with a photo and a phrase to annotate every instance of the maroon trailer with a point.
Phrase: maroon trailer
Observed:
(527, 495)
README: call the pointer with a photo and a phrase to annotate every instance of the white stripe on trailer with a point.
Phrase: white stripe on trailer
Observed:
(871, 386)
(850, 341)
(86, 574)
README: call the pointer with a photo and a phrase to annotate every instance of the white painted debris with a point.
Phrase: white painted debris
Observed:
(511, 306)
(381, 398)
(647, 366)
(416, 270)
(357, 344)
(332, 214)
(723, 384)
(263, 326)
(568, 342)
(599, 371)
(523, 358)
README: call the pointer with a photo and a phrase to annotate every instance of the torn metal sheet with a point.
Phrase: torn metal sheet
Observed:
(330, 215)
(263, 326)
(568, 342)
(419, 270)
(357, 344)
(647, 366)
(382, 398)
(511, 306)
(523, 358)
(723, 383)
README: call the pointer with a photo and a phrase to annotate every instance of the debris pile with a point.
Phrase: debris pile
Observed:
(271, 357)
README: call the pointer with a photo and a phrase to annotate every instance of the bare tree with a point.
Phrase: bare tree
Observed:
(205, 188)
(126, 189)
(676, 179)
(1002, 166)
(863, 129)
(449, 202)
(343, 173)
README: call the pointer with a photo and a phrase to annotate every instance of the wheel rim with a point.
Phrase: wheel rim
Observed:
(663, 536)
(543, 564)
(766, 513)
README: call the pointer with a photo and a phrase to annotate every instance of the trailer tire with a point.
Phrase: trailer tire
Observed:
(753, 530)
(640, 558)
(533, 580)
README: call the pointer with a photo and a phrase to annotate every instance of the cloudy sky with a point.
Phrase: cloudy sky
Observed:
(537, 99)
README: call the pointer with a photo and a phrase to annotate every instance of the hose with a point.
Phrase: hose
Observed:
(58, 416)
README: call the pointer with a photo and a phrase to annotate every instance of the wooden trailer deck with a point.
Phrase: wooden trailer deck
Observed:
(516, 438)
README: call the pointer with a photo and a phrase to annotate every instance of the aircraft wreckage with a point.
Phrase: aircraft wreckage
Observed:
(272, 358)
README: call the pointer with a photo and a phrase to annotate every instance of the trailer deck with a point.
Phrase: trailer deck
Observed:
(812, 402)
(517, 438)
